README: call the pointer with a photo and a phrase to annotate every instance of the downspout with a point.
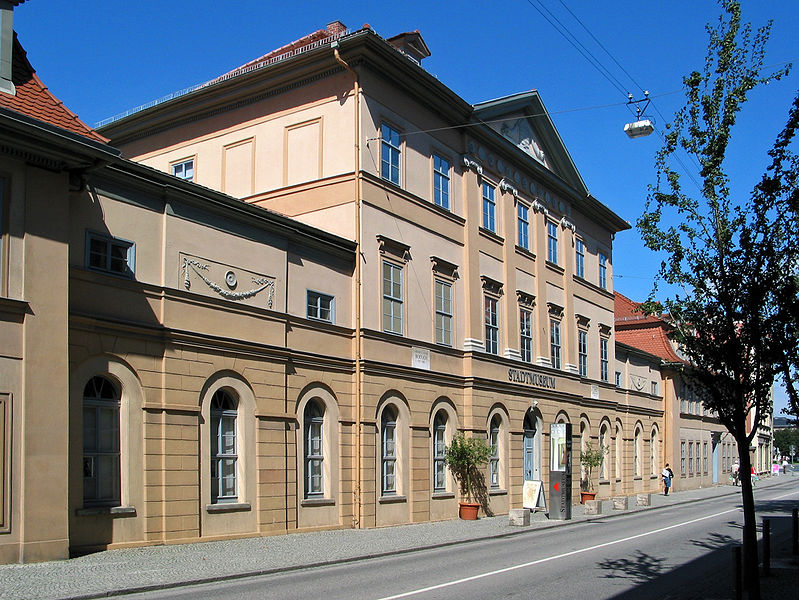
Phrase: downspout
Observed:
(357, 504)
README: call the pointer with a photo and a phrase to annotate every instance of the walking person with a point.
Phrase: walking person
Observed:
(735, 474)
(667, 475)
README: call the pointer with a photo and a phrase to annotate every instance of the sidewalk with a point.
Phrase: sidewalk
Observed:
(155, 567)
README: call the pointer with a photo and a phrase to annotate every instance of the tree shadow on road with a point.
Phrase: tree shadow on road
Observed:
(640, 568)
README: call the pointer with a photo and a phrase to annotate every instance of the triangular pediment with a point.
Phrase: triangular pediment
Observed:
(523, 120)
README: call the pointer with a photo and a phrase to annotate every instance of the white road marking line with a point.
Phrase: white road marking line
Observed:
(551, 558)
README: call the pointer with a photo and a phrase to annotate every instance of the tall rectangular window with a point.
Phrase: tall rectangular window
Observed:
(109, 255)
(526, 334)
(682, 458)
(579, 258)
(390, 152)
(319, 306)
(489, 208)
(582, 353)
(441, 181)
(101, 482)
(690, 458)
(493, 461)
(523, 218)
(704, 457)
(618, 379)
(492, 325)
(392, 298)
(554, 343)
(603, 359)
(654, 388)
(224, 456)
(184, 169)
(603, 271)
(389, 446)
(552, 243)
(443, 313)
(440, 452)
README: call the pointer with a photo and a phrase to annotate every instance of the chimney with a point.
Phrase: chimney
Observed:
(7, 44)
(411, 45)
(336, 28)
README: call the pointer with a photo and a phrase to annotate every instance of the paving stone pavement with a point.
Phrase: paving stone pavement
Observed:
(153, 567)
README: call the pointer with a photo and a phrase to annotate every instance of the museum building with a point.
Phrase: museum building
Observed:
(267, 304)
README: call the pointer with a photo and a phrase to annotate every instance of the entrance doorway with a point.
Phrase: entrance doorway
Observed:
(532, 446)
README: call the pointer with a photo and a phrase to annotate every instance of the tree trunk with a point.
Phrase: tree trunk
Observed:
(750, 559)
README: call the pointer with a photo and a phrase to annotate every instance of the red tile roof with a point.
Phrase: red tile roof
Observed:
(33, 99)
(652, 340)
(627, 313)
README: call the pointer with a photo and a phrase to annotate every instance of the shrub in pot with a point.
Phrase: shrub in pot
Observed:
(464, 457)
(590, 458)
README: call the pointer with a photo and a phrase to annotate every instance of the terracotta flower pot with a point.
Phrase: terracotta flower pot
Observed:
(587, 496)
(468, 510)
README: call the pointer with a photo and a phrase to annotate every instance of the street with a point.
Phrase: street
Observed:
(681, 551)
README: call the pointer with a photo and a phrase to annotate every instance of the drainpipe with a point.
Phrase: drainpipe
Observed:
(357, 500)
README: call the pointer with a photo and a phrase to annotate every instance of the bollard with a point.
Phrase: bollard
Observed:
(766, 547)
(795, 514)
(737, 588)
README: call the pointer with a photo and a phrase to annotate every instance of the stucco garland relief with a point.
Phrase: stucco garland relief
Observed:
(191, 266)
(638, 382)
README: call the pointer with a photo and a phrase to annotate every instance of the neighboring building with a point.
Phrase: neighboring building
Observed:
(698, 447)
(216, 369)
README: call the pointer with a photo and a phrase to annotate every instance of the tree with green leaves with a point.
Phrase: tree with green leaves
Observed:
(734, 259)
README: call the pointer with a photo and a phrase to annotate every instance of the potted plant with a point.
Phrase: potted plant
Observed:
(465, 456)
(590, 458)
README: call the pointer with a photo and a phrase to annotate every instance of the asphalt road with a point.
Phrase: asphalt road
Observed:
(677, 552)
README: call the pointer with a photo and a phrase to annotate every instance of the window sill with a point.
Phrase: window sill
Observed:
(525, 252)
(653, 476)
(226, 507)
(604, 482)
(392, 499)
(637, 478)
(443, 495)
(491, 235)
(555, 267)
(318, 502)
(497, 492)
(618, 479)
(117, 511)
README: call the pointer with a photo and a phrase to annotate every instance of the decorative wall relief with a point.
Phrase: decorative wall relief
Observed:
(638, 383)
(224, 279)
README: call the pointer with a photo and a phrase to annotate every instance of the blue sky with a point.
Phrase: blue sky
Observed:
(102, 57)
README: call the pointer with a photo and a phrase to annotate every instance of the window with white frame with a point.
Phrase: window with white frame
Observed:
(489, 208)
(654, 388)
(637, 453)
(491, 325)
(526, 334)
(314, 420)
(690, 458)
(441, 181)
(653, 452)
(390, 153)
(320, 306)
(101, 485)
(392, 298)
(603, 359)
(224, 443)
(440, 452)
(603, 446)
(554, 343)
(443, 312)
(552, 242)
(388, 425)
(618, 454)
(704, 457)
(523, 221)
(579, 258)
(110, 255)
(618, 379)
(582, 353)
(603, 271)
(184, 169)
(493, 461)
(682, 459)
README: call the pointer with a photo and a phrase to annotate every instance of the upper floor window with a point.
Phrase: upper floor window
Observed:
(654, 388)
(526, 334)
(489, 208)
(314, 418)
(492, 325)
(552, 243)
(390, 154)
(388, 423)
(523, 218)
(582, 353)
(618, 379)
(110, 255)
(603, 359)
(441, 181)
(184, 169)
(224, 457)
(320, 307)
(603, 271)
(443, 312)
(392, 298)
(579, 258)
(554, 343)
(100, 442)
